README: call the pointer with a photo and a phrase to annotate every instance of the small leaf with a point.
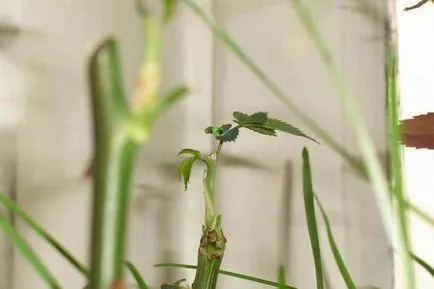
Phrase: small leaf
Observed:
(286, 127)
(230, 135)
(194, 153)
(225, 127)
(261, 129)
(184, 170)
(208, 129)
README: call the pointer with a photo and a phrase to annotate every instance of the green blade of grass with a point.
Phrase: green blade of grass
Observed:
(395, 167)
(28, 253)
(420, 213)
(424, 265)
(11, 206)
(275, 89)
(141, 284)
(335, 250)
(395, 230)
(281, 278)
(227, 273)
(311, 219)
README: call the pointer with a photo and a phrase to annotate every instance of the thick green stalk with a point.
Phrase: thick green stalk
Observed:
(114, 153)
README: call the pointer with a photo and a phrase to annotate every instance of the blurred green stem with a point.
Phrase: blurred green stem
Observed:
(114, 153)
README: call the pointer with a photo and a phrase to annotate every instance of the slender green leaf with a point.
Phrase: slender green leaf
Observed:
(424, 265)
(336, 254)
(173, 96)
(368, 150)
(227, 273)
(420, 213)
(28, 253)
(395, 167)
(286, 127)
(281, 278)
(311, 219)
(194, 153)
(275, 89)
(184, 170)
(11, 206)
(141, 284)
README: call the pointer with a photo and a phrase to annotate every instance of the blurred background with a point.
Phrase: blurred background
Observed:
(46, 135)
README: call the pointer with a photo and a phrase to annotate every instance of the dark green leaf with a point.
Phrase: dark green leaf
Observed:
(261, 129)
(194, 153)
(258, 118)
(184, 170)
(285, 127)
(227, 273)
(11, 206)
(240, 117)
(336, 254)
(311, 219)
(229, 136)
(22, 247)
(141, 284)
(225, 127)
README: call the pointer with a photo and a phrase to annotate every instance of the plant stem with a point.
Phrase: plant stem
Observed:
(213, 241)
(114, 153)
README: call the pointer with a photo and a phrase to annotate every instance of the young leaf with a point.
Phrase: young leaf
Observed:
(261, 129)
(184, 170)
(230, 135)
(194, 153)
(19, 243)
(227, 273)
(311, 219)
(141, 284)
(286, 127)
(336, 254)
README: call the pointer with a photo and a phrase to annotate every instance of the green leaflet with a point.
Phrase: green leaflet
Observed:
(230, 135)
(261, 129)
(184, 170)
(192, 152)
(257, 118)
(311, 219)
(141, 284)
(282, 126)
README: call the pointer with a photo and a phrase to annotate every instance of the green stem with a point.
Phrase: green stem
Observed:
(213, 241)
(114, 153)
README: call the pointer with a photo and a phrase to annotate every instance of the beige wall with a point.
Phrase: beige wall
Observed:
(54, 138)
